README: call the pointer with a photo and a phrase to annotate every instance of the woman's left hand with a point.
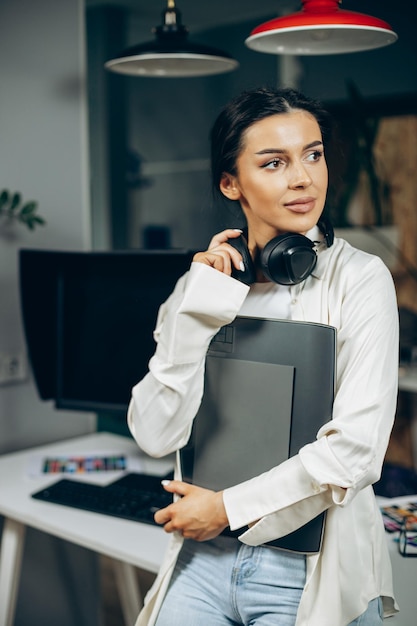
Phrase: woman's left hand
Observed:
(199, 514)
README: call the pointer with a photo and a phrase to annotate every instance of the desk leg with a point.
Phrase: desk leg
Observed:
(10, 563)
(129, 591)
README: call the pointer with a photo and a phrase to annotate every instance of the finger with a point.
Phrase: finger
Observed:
(170, 528)
(219, 238)
(233, 257)
(219, 259)
(163, 515)
(176, 486)
(222, 261)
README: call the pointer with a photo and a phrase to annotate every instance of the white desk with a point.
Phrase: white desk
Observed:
(129, 544)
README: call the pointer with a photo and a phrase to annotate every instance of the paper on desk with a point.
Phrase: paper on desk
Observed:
(400, 514)
(85, 464)
(395, 512)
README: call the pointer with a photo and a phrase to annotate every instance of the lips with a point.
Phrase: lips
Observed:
(301, 205)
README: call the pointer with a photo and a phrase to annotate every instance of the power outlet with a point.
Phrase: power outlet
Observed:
(12, 368)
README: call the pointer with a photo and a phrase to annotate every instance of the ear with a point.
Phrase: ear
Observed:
(229, 186)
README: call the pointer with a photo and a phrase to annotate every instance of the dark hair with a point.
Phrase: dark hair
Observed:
(244, 110)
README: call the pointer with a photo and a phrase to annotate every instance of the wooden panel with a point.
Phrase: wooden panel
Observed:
(395, 151)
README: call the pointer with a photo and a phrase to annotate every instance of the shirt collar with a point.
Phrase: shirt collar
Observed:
(315, 235)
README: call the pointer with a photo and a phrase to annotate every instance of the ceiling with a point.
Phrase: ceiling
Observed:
(207, 15)
(199, 14)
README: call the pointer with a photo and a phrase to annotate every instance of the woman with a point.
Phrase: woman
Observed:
(268, 155)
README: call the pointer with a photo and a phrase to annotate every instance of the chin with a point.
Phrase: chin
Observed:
(299, 226)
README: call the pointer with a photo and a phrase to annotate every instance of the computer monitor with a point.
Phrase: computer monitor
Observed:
(89, 319)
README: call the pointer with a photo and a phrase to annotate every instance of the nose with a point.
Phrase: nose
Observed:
(299, 177)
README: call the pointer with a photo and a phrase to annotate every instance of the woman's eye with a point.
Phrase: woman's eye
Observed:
(273, 165)
(315, 156)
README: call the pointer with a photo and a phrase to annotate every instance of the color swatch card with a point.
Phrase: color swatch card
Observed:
(83, 464)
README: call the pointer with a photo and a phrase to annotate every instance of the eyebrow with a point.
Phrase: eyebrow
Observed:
(313, 144)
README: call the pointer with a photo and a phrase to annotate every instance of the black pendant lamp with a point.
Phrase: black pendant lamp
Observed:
(171, 54)
(321, 27)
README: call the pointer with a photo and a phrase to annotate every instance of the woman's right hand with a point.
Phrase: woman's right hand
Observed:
(221, 255)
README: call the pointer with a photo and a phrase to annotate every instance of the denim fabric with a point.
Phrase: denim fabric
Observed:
(226, 583)
(373, 616)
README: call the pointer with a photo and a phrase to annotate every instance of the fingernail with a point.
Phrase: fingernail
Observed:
(238, 230)
(242, 266)
(165, 482)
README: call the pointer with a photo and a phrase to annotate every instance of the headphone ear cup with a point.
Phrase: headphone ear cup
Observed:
(248, 276)
(288, 259)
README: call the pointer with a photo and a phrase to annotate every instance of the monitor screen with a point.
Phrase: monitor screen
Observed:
(102, 309)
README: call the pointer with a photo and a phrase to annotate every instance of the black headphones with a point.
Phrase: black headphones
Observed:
(287, 259)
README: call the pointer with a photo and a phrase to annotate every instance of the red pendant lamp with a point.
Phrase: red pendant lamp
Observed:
(321, 27)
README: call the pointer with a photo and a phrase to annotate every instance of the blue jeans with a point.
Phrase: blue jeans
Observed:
(374, 616)
(226, 583)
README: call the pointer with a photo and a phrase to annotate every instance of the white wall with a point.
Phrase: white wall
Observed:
(44, 155)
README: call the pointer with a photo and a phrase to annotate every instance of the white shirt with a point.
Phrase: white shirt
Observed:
(267, 300)
(353, 292)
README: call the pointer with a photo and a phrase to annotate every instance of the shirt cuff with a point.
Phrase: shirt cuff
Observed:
(286, 521)
(272, 491)
(210, 300)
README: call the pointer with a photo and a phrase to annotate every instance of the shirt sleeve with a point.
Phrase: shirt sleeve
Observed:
(164, 403)
(349, 450)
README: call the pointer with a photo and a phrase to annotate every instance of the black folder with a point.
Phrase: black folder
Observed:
(269, 387)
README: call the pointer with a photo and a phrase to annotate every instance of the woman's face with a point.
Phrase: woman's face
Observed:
(281, 180)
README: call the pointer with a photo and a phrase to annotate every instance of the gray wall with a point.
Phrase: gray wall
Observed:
(43, 154)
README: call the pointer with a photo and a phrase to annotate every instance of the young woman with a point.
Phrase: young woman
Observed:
(268, 155)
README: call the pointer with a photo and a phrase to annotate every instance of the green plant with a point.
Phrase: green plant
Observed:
(13, 208)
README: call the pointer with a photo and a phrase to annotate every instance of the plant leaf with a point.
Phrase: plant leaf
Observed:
(10, 206)
(4, 198)
(38, 220)
(15, 201)
(28, 208)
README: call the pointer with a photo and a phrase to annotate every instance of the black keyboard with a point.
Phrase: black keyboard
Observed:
(134, 496)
